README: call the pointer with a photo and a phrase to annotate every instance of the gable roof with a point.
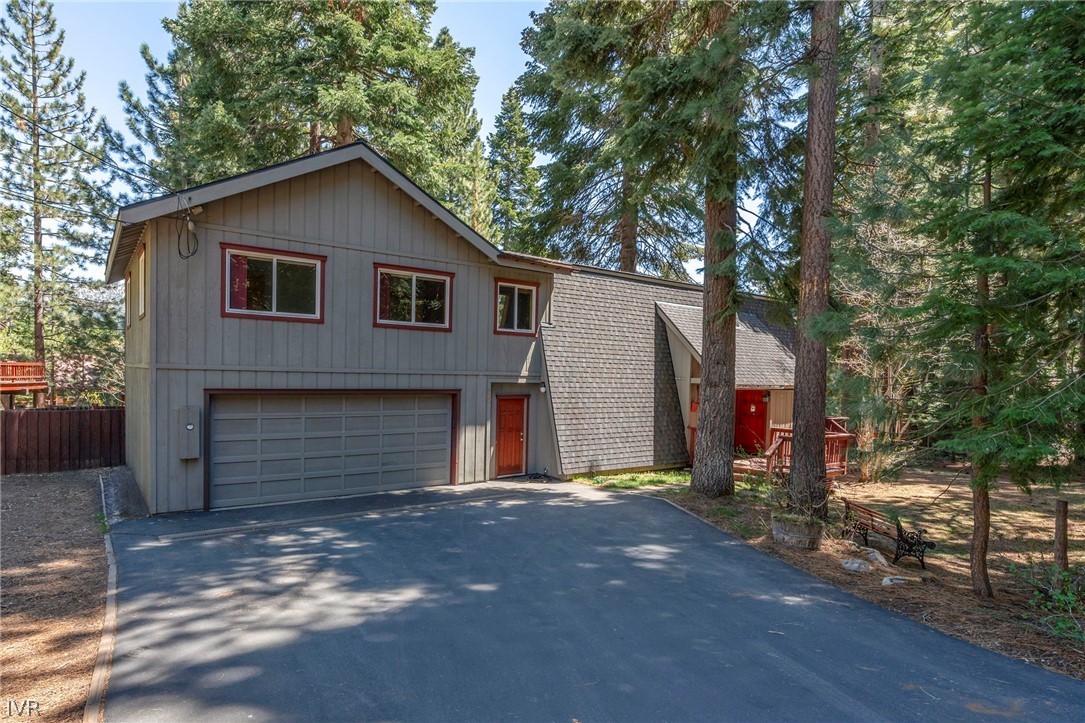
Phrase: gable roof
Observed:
(609, 369)
(131, 219)
(764, 350)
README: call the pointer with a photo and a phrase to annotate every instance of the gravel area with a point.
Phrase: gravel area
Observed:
(53, 582)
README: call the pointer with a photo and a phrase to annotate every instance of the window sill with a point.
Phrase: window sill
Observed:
(409, 326)
(272, 317)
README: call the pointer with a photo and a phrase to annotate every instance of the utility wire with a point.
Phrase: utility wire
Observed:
(107, 162)
(59, 207)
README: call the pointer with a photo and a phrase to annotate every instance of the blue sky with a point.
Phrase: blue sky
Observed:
(104, 38)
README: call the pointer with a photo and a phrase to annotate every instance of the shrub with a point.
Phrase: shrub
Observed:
(1059, 596)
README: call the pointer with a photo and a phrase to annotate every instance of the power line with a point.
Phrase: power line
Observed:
(106, 161)
(59, 207)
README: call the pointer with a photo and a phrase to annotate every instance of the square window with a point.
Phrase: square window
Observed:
(273, 285)
(412, 298)
(516, 308)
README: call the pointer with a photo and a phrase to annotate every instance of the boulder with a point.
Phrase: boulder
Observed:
(855, 565)
(876, 558)
(894, 580)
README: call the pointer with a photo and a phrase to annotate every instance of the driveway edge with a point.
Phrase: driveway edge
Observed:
(94, 710)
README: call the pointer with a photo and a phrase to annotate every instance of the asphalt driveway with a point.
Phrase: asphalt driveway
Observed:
(554, 603)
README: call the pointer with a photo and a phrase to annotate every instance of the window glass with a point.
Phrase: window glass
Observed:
(295, 288)
(429, 301)
(515, 308)
(525, 313)
(506, 302)
(257, 284)
(273, 285)
(395, 297)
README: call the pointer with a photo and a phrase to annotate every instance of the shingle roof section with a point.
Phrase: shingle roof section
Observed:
(764, 349)
(610, 373)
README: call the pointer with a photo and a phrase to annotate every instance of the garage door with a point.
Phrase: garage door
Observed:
(279, 448)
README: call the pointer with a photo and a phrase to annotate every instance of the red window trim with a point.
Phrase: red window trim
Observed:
(516, 282)
(377, 322)
(141, 267)
(228, 313)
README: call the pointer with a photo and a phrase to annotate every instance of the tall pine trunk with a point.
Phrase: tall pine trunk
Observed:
(714, 454)
(37, 193)
(808, 487)
(627, 227)
(980, 474)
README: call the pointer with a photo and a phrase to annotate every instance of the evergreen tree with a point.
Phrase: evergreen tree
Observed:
(593, 206)
(688, 100)
(511, 160)
(1001, 150)
(52, 174)
(808, 488)
(248, 84)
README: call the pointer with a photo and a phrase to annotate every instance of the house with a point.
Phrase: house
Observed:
(323, 327)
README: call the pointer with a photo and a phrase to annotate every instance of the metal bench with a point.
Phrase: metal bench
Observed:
(863, 520)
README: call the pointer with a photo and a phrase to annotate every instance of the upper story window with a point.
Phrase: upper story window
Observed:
(516, 307)
(141, 281)
(128, 300)
(272, 284)
(413, 298)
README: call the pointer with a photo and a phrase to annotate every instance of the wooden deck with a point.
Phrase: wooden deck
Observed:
(776, 460)
(22, 377)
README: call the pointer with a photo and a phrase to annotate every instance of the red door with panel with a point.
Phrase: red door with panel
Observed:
(511, 439)
(751, 413)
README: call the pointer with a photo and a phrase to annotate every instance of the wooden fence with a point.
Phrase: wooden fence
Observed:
(51, 440)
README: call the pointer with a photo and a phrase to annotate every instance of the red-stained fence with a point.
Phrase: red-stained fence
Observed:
(51, 440)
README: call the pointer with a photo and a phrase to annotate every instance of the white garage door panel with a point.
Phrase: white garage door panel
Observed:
(279, 448)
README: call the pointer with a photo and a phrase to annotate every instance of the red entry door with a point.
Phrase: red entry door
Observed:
(751, 412)
(511, 443)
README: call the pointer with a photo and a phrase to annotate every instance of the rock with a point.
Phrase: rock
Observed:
(850, 546)
(876, 558)
(894, 580)
(855, 565)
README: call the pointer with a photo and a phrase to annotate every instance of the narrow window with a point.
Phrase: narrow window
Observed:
(275, 285)
(412, 298)
(141, 284)
(516, 307)
(128, 300)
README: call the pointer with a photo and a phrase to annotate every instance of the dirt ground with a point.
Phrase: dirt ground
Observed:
(52, 590)
(939, 501)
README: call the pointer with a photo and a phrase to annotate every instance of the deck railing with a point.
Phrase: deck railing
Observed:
(19, 376)
(778, 455)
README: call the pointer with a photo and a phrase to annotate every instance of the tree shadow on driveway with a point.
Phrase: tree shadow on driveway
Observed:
(551, 604)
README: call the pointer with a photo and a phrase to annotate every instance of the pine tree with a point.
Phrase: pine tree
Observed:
(511, 160)
(999, 197)
(688, 100)
(593, 206)
(52, 175)
(808, 489)
(248, 84)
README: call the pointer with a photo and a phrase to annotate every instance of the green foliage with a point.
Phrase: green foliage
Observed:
(1059, 596)
(512, 161)
(247, 85)
(55, 218)
(594, 193)
(1002, 155)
